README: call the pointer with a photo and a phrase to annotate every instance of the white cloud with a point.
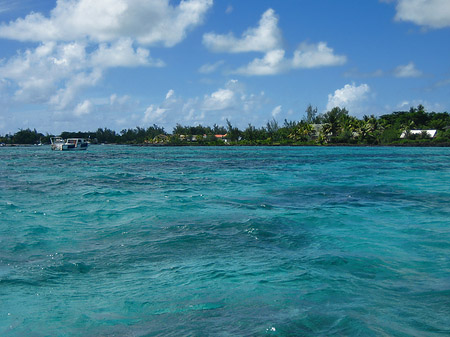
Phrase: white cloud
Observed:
(408, 70)
(265, 37)
(230, 101)
(272, 63)
(316, 55)
(170, 94)
(406, 105)
(349, 97)
(307, 56)
(66, 95)
(276, 111)
(119, 101)
(168, 109)
(210, 68)
(37, 73)
(219, 100)
(70, 55)
(54, 73)
(122, 54)
(153, 114)
(84, 108)
(429, 13)
(146, 21)
(81, 39)
(439, 84)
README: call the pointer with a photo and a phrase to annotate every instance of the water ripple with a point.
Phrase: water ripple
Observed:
(225, 241)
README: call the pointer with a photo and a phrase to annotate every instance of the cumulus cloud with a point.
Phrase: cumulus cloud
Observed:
(408, 70)
(350, 96)
(153, 114)
(223, 98)
(56, 70)
(307, 56)
(316, 55)
(84, 108)
(230, 101)
(272, 63)
(146, 21)
(219, 100)
(66, 95)
(122, 54)
(81, 39)
(37, 73)
(163, 112)
(265, 37)
(429, 13)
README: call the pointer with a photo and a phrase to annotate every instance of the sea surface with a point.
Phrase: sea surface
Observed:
(225, 241)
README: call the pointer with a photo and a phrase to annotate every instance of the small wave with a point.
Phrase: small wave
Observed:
(39, 229)
(248, 204)
(71, 268)
(178, 190)
(19, 282)
(115, 193)
(11, 205)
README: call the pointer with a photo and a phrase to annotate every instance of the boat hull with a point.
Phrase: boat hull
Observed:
(72, 144)
(64, 147)
(71, 147)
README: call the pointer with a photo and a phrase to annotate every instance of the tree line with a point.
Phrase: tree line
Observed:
(336, 126)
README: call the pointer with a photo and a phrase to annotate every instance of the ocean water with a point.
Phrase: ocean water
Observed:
(225, 241)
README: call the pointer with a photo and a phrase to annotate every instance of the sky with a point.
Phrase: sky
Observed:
(80, 65)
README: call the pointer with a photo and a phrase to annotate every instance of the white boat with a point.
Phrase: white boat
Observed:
(70, 144)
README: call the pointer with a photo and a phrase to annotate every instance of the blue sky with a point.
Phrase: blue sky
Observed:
(71, 65)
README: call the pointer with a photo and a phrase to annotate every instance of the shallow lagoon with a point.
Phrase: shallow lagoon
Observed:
(225, 241)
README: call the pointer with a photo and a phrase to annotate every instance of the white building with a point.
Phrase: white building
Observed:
(430, 133)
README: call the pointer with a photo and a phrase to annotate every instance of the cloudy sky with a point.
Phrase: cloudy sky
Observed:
(83, 64)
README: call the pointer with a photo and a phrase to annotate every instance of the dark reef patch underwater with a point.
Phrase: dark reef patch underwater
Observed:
(225, 241)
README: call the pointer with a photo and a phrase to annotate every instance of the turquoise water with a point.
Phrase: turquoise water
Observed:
(228, 241)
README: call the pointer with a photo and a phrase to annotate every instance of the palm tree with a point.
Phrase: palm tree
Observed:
(333, 119)
(302, 132)
(370, 129)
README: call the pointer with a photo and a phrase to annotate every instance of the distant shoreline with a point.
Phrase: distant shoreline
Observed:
(418, 144)
(336, 127)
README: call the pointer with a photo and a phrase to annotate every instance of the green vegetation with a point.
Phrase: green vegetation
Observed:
(333, 127)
